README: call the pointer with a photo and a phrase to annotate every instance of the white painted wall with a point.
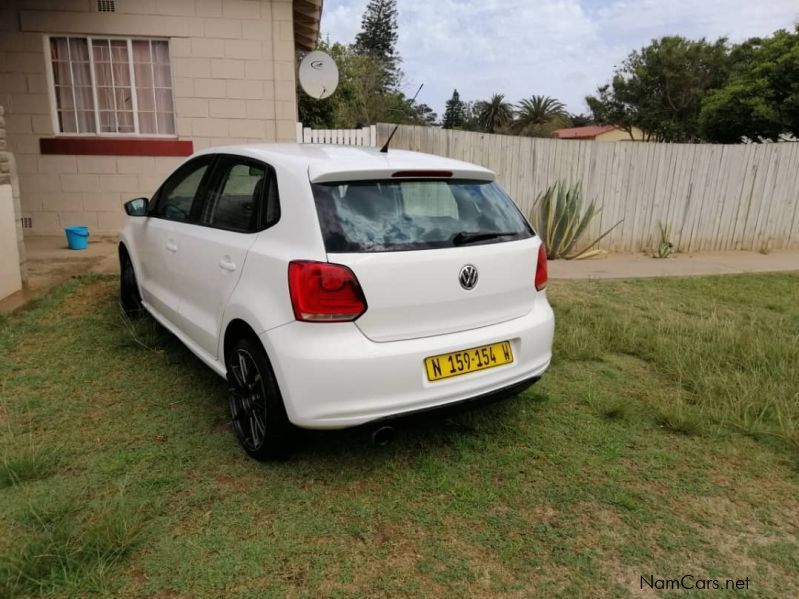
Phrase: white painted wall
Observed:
(10, 279)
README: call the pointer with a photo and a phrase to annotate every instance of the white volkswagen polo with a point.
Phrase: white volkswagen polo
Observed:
(340, 286)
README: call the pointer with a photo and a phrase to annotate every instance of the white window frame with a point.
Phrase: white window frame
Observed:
(129, 39)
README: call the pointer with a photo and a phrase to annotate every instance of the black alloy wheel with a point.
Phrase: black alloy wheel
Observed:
(128, 286)
(256, 407)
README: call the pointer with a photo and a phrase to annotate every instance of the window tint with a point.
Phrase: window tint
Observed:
(244, 197)
(177, 195)
(381, 216)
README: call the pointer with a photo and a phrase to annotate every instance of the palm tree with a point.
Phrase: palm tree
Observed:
(539, 116)
(495, 114)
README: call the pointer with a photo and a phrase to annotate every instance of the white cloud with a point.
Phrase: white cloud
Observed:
(561, 48)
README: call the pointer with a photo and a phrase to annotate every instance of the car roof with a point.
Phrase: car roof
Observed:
(342, 163)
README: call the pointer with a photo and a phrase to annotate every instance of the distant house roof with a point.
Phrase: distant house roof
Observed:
(307, 14)
(588, 132)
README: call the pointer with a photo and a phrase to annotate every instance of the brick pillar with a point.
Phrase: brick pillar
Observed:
(8, 176)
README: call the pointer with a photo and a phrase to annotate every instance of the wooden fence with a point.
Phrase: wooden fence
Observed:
(714, 197)
(348, 137)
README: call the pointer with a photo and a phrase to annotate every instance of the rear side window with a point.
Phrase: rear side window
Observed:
(242, 196)
(177, 194)
(391, 215)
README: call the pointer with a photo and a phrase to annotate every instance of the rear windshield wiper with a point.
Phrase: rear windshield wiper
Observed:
(464, 237)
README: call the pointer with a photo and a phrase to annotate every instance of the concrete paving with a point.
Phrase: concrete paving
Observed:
(51, 262)
(624, 266)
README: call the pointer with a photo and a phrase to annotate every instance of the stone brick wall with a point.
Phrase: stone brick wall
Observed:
(233, 74)
(8, 177)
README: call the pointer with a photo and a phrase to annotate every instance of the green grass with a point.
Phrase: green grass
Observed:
(663, 441)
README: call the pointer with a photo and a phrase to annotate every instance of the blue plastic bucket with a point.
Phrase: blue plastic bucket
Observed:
(77, 237)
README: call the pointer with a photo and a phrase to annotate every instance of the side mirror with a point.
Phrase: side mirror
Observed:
(137, 207)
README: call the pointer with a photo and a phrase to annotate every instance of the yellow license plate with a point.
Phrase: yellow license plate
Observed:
(445, 366)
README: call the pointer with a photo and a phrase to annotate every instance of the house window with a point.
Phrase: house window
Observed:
(112, 86)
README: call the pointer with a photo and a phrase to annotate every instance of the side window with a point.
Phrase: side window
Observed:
(177, 194)
(244, 197)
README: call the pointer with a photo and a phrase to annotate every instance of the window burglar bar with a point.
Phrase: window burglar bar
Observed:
(112, 86)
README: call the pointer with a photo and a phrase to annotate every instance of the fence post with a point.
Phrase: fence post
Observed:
(299, 132)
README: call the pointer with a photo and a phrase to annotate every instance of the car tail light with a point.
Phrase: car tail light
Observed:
(323, 292)
(541, 269)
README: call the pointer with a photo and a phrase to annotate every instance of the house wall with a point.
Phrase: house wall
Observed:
(619, 135)
(233, 70)
(12, 251)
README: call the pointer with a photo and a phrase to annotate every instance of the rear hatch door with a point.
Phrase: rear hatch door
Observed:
(434, 255)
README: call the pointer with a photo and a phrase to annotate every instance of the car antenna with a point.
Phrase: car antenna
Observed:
(384, 149)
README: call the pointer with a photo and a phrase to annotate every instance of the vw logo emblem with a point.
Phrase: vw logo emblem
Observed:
(468, 277)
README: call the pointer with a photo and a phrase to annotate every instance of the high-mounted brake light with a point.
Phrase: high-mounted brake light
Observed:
(541, 269)
(422, 174)
(324, 292)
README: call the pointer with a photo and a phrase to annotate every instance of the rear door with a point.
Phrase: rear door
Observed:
(158, 244)
(432, 256)
(240, 201)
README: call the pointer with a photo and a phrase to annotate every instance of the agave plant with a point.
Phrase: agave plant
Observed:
(665, 247)
(559, 217)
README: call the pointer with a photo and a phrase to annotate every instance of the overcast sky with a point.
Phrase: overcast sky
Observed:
(560, 48)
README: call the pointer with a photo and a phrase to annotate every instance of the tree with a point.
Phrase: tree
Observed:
(425, 114)
(607, 109)
(761, 99)
(360, 99)
(495, 114)
(455, 112)
(378, 38)
(539, 116)
(581, 120)
(660, 88)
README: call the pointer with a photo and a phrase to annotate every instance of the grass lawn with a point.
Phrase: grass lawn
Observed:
(664, 441)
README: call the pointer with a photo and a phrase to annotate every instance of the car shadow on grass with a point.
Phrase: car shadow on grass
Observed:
(411, 435)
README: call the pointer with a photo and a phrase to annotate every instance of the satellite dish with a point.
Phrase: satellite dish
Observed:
(318, 75)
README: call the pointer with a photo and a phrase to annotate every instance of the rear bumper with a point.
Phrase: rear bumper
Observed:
(331, 376)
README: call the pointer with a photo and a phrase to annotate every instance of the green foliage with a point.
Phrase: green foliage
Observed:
(539, 116)
(660, 88)
(454, 113)
(665, 247)
(494, 115)
(378, 39)
(560, 219)
(581, 120)
(761, 99)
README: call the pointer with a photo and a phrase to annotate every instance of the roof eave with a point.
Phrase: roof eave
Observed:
(307, 15)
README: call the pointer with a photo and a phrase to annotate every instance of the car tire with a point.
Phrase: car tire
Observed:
(256, 406)
(129, 296)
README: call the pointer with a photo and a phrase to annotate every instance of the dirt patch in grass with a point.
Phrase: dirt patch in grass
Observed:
(89, 298)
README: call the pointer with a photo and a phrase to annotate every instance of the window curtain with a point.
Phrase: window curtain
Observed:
(117, 108)
(153, 86)
(73, 84)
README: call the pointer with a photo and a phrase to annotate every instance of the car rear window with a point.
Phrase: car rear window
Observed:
(391, 215)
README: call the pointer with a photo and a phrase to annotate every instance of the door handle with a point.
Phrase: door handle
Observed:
(171, 246)
(227, 264)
